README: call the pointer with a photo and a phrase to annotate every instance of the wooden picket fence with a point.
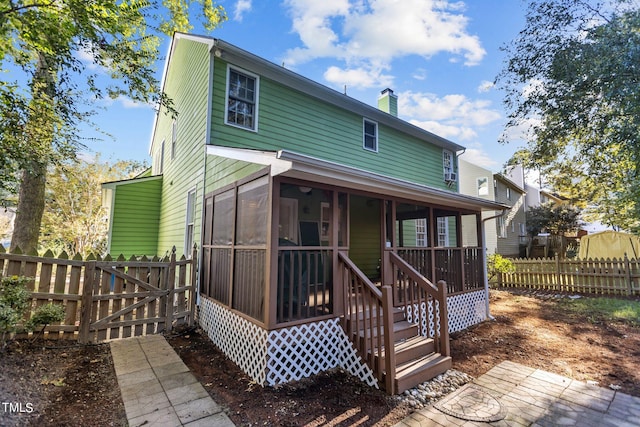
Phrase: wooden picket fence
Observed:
(106, 298)
(592, 276)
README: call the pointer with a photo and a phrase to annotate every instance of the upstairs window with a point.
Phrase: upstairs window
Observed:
(483, 186)
(370, 135)
(447, 166)
(190, 221)
(242, 99)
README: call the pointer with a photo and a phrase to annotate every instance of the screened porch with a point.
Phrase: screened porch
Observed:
(271, 245)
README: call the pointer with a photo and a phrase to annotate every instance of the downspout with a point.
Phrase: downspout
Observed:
(484, 261)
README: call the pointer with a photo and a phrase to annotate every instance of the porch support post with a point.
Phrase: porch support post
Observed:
(433, 231)
(444, 319)
(271, 294)
(462, 254)
(338, 283)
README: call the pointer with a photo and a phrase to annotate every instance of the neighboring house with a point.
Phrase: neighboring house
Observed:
(298, 197)
(511, 228)
(478, 181)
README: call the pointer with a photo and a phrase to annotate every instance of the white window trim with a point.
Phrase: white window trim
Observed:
(486, 186)
(442, 223)
(188, 242)
(255, 101)
(364, 122)
(447, 169)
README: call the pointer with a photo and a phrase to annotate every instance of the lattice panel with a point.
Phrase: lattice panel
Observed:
(289, 354)
(466, 310)
(430, 321)
(242, 341)
(301, 351)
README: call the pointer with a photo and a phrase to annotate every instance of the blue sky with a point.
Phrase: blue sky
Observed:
(438, 56)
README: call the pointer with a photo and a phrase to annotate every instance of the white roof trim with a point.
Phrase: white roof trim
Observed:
(295, 165)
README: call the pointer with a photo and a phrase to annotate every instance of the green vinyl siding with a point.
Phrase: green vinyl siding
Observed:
(291, 120)
(186, 83)
(134, 218)
(364, 241)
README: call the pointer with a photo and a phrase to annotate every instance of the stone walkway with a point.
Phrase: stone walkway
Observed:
(515, 395)
(157, 387)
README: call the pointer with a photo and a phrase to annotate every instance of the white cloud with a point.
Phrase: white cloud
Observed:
(242, 6)
(452, 109)
(445, 130)
(377, 31)
(358, 78)
(479, 157)
(125, 102)
(485, 86)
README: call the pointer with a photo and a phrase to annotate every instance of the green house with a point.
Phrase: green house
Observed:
(327, 230)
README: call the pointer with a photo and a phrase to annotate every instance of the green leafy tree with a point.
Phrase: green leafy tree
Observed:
(572, 79)
(557, 220)
(55, 89)
(75, 220)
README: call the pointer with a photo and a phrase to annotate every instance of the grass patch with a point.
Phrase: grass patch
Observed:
(605, 309)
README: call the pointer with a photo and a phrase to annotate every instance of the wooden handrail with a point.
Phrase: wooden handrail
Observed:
(411, 297)
(368, 320)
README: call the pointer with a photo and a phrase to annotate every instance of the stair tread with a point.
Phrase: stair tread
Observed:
(397, 327)
(422, 363)
(409, 343)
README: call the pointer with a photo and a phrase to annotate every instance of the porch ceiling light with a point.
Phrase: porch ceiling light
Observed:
(305, 190)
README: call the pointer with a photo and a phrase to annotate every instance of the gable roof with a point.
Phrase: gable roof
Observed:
(267, 69)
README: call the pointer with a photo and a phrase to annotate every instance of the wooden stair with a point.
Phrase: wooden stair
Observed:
(415, 358)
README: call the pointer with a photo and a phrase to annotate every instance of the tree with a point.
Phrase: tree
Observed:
(572, 78)
(40, 112)
(75, 220)
(557, 220)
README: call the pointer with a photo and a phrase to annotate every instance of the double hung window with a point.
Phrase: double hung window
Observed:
(242, 99)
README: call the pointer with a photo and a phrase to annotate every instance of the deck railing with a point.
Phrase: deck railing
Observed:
(368, 320)
(461, 268)
(423, 303)
(304, 283)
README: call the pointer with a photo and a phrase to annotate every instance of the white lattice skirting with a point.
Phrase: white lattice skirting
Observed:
(285, 355)
(463, 310)
(466, 310)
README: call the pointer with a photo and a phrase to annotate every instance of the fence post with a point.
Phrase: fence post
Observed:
(627, 274)
(171, 284)
(558, 286)
(87, 296)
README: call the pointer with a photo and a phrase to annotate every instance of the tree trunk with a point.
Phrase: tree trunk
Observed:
(30, 209)
(39, 133)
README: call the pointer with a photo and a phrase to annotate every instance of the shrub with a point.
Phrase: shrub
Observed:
(15, 299)
(45, 315)
(496, 263)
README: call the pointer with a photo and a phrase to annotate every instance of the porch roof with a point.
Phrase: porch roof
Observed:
(300, 166)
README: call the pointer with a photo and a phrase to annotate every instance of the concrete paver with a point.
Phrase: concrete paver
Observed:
(157, 387)
(531, 397)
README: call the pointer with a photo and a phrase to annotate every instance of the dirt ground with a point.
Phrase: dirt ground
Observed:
(59, 384)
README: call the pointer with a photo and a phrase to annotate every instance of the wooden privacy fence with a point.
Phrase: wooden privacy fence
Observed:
(109, 299)
(594, 276)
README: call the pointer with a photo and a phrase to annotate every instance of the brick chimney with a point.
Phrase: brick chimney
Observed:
(388, 102)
